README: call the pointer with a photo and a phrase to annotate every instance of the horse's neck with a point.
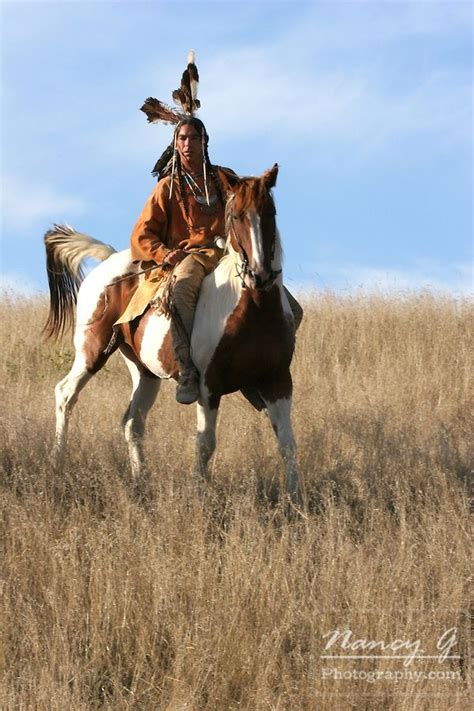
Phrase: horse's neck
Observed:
(227, 285)
(230, 291)
(222, 294)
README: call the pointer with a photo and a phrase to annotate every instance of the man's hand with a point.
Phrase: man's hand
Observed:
(174, 257)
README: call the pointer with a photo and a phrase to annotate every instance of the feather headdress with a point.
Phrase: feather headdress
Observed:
(185, 97)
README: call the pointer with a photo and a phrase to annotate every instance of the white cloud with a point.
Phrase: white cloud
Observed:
(344, 26)
(23, 204)
(333, 68)
(356, 107)
(347, 69)
(455, 279)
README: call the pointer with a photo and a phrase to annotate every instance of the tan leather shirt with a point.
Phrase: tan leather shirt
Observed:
(162, 225)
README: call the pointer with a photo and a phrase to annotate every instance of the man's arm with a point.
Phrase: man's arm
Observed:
(149, 236)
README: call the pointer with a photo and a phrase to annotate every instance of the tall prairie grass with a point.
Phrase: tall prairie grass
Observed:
(168, 602)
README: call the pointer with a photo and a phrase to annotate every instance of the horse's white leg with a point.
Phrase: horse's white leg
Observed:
(279, 413)
(145, 387)
(205, 436)
(67, 392)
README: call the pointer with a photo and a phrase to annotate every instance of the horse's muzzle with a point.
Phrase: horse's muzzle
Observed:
(261, 281)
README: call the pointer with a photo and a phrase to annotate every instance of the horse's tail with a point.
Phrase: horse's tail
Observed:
(65, 250)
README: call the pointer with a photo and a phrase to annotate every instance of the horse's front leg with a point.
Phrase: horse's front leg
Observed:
(279, 412)
(205, 436)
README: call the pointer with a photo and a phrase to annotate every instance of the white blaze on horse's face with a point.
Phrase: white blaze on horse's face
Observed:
(263, 248)
(257, 261)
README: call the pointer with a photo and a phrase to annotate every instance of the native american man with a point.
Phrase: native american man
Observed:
(182, 223)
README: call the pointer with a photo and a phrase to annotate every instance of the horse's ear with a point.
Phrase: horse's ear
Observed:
(270, 177)
(232, 188)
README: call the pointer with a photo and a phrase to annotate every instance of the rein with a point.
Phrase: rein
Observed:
(134, 274)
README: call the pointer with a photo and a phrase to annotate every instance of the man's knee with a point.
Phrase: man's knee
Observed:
(188, 277)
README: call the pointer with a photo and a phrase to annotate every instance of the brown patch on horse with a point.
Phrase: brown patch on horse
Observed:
(255, 350)
(99, 342)
(254, 193)
(252, 396)
(251, 193)
(166, 356)
(133, 333)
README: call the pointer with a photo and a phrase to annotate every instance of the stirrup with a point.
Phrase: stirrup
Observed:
(187, 390)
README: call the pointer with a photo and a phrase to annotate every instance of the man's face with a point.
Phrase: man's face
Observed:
(188, 143)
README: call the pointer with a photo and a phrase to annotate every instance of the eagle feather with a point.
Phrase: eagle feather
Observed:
(156, 110)
(186, 95)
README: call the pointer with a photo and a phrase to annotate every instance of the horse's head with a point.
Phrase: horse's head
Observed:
(251, 229)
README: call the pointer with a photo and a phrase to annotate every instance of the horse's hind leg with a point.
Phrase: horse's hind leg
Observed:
(92, 352)
(279, 412)
(67, 392)
(145, 387)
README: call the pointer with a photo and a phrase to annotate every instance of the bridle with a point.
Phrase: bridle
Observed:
(244, 269)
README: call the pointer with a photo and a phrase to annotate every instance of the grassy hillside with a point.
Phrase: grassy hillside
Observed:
(115, 603)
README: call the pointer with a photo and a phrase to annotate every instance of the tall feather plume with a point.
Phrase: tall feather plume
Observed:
(193, 78)
(186, 95)
(156, 110)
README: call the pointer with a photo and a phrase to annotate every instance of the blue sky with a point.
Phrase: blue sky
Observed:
(366, 106)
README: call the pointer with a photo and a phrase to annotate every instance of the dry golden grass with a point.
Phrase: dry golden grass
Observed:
(115, 603)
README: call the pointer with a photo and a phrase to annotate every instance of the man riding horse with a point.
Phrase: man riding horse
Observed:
(182, 225)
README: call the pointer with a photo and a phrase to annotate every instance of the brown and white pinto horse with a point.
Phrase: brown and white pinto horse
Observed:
(243, 334)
